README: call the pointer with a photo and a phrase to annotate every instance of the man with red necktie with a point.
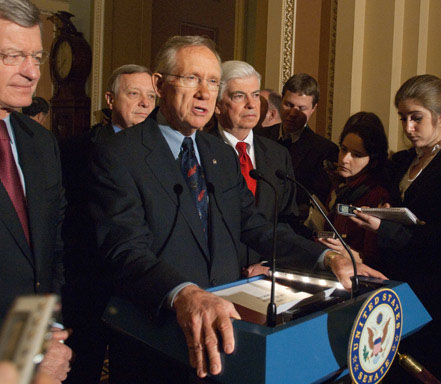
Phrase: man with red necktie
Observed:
(237, 112)
(31, 194)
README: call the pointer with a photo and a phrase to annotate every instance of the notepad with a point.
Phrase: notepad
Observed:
(397, 215)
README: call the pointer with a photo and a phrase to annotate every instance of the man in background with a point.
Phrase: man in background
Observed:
(237, 111)
(308, 150)
(31, 193)
(131, 98)
(38, 110)
(272, 118)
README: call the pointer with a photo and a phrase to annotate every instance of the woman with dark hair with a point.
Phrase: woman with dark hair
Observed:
(412, 253)
(361, 162)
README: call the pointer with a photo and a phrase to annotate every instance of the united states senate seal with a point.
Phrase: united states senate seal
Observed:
(375, 337)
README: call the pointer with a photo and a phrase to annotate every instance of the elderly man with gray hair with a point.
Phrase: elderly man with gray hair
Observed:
(32, 199)
(130, 95)
(238, 111)
(170, 206)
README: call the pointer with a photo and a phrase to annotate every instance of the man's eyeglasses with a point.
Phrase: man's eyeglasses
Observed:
(193, 81)
(16, 58)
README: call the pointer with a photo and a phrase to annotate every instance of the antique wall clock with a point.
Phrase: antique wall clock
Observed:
(70, 64)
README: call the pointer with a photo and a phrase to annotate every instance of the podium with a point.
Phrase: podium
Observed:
(308, 346)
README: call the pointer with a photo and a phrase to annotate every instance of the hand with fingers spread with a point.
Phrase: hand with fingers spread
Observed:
(206, 321)
(56, 362)
(343, 269)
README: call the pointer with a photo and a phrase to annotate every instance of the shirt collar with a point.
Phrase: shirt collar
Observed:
(290, 135)
(232, 140)
(116, 129)
(419, 151)
(173, 137)
(7, 121)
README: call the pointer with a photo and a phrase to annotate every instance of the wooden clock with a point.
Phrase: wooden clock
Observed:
(70, 64)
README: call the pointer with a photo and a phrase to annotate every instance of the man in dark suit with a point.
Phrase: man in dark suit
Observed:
(131, 98)
(308, 150)
(171, 206)
(238, 111)
(31, 195)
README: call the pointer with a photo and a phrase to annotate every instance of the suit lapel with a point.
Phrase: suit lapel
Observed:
(161, 162)
(262, 165)
(30, 169)
(214, 176)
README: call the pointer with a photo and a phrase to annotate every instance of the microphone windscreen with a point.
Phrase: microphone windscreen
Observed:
(178, 189)
(255, 174)
(210, 187)
(280, 174)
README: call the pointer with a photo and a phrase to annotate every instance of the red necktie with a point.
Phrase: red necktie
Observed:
(246, 166)
(11, 180)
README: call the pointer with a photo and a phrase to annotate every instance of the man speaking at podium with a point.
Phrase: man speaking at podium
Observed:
(171, 207)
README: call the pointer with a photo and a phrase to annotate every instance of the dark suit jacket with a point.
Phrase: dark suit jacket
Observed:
(76, 154)
(271, 132)
(412, 253)
(308, 154)
(35, 269)
(87, 287)
(149, 231)
(270, 157)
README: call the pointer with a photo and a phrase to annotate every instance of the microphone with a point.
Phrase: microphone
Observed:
(284, 176)
(177, 189)
(210, 187)
(271, 313)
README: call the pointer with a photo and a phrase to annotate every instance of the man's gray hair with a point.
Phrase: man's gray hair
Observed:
(274, 99)
(128, 69)
(21, 12)
(235, 69)
(166, 58)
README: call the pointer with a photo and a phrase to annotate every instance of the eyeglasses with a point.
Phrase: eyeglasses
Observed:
(16, 58)
(193, 81)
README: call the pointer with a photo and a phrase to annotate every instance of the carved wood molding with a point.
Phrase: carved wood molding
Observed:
(289, 20)
(331, 68)
(97, 58)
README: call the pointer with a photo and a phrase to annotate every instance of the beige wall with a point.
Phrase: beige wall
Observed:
(255, 38)
(126, 35)
(217, 15)
(380, 44)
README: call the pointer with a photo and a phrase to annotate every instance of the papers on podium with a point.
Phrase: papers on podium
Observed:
(256, 296)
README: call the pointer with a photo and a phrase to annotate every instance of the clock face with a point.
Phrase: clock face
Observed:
(64, 59)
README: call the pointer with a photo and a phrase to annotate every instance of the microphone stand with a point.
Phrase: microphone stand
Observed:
(271, 312)
(282, 175)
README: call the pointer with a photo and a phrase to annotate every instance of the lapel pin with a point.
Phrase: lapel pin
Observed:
(214, 161)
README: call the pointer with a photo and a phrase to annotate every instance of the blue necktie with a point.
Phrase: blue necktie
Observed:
(193, 175)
